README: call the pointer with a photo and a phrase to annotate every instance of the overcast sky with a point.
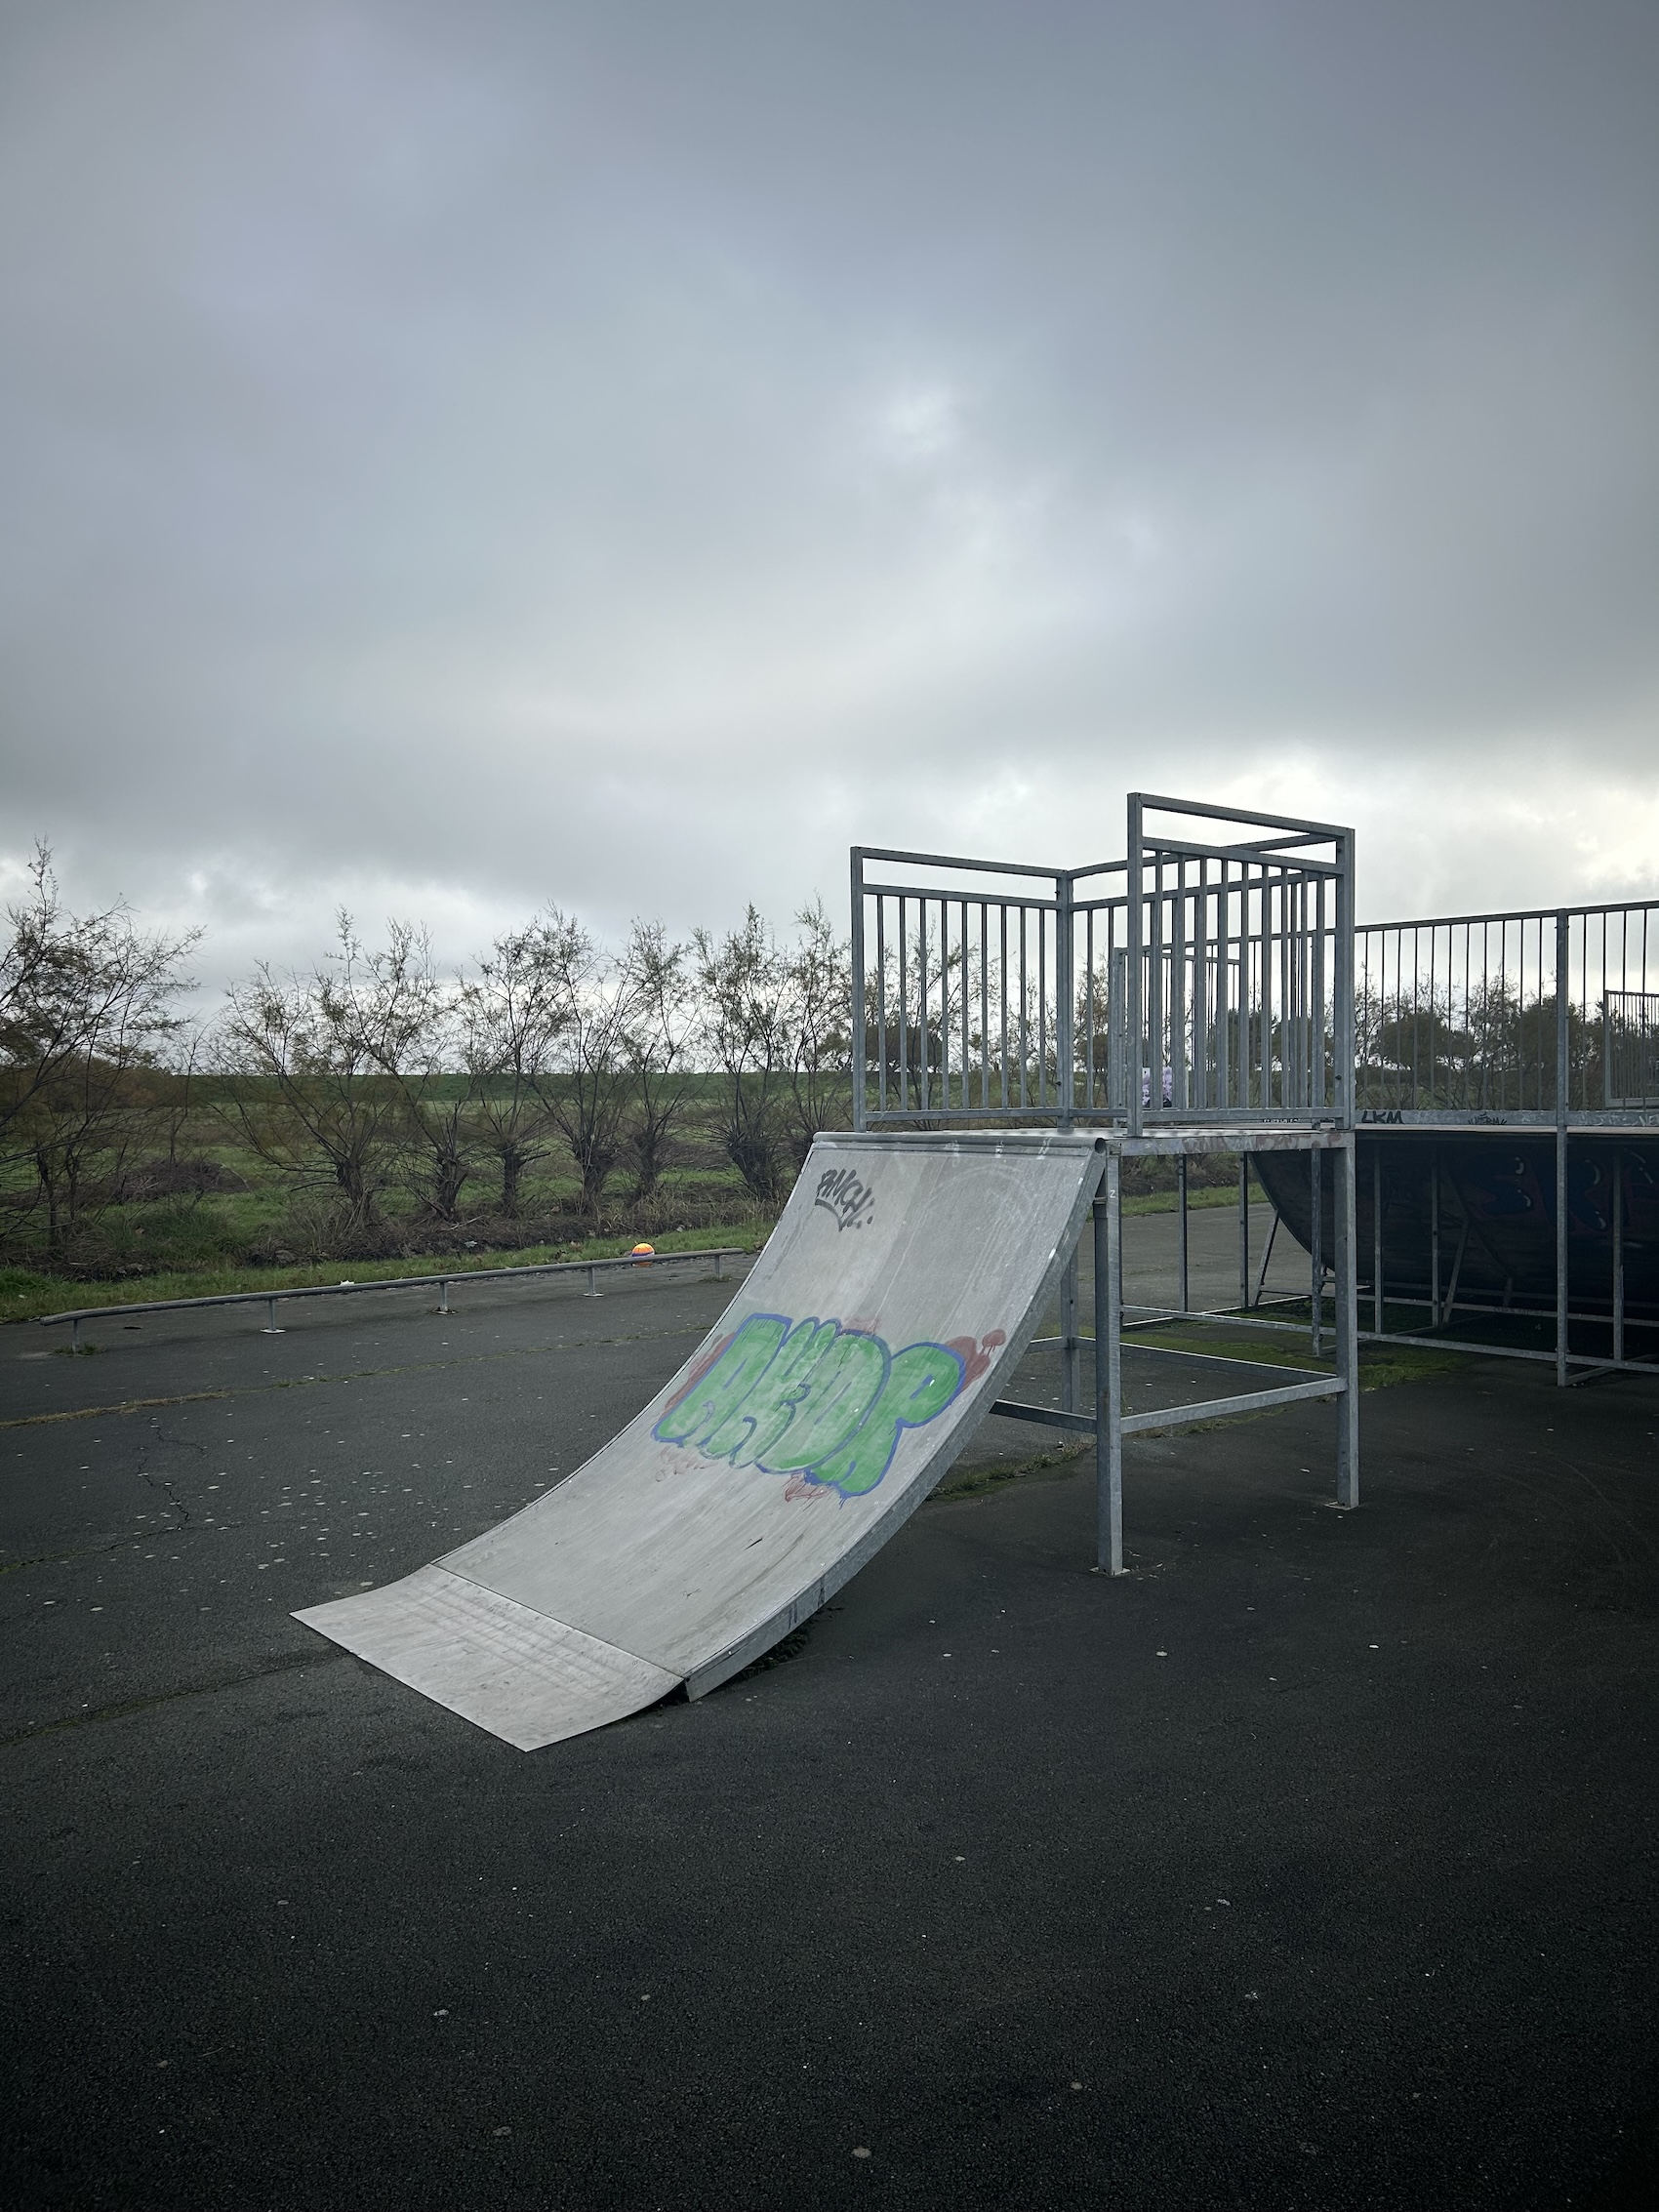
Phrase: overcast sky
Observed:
(460, 456)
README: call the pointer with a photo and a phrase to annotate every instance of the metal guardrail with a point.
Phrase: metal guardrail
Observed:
(272, 1298)
(1203, 978)
(1547, 1016)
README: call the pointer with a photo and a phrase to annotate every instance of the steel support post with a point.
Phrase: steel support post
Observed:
(1434, 1239)
(859, 1071)
(1065, 1007)
(1317, 1260)
(1377, 1237)
(1181, 1208)
(1108, 1370)
(443, 1295)
(1244, 1231)
(1135, 1024)
(1070, 1349)
(1618, 1254)
(1563, 983)
(1346, 1325)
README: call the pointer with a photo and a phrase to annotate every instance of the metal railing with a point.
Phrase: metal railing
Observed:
(272, 1298)
(1196, 980)
(1545, 1015)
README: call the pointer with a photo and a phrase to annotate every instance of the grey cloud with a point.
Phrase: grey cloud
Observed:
(621, 454)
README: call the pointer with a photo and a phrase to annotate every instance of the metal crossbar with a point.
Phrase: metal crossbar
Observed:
(270, 1298)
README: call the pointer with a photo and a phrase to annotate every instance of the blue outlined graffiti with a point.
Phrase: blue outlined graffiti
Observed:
(813, 1400)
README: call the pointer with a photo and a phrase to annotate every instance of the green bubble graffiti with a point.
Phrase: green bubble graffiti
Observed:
(812, 1398)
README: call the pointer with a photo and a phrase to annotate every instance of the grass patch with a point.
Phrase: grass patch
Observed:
(25, 1296)
(1380, 1366)
(1203, 1195)
(979, 1482)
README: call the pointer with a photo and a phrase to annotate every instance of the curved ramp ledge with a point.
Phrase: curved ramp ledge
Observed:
(900, 1286)
(528, 1679)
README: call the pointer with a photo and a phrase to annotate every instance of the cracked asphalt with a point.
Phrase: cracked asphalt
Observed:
(1312, 1865)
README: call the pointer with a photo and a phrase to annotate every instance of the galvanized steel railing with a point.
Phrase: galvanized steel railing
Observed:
(1193, 981)
(1541, 1016)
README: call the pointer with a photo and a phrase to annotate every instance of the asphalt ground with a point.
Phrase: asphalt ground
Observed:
(1308, 1865)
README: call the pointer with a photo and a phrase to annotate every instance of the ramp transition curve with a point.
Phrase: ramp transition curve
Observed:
(900, 1286)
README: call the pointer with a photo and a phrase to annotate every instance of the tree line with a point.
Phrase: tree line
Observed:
(375, 1069)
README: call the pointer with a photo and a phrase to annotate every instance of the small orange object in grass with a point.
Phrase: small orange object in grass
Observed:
(641, 1253)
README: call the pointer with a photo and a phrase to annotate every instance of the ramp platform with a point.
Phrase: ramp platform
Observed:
(901, 1285)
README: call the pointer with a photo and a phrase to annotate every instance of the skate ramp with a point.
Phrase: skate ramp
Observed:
(896, 1293)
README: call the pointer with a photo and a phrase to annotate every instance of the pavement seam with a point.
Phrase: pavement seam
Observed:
(348, 1374)
(128, 1706)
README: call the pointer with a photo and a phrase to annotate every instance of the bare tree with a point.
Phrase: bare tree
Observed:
(582, 1077)
(744, 983)
(818, 1017)
(660, 1037)
(510, 1017)
(87, 1005)
(313, 1053)
(411, 1024)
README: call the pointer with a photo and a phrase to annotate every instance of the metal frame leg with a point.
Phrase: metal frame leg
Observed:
(1180, 1190)
(1377, 1303)
(1071, 1348)
(1109, 1371)
(1346, 1326)
(1244, 1231)
(1560, 1257)
(1618, 1254)
(1317, 1257)
(1267, 1256)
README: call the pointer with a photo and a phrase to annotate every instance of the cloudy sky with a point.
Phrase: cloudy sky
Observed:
(622, 452)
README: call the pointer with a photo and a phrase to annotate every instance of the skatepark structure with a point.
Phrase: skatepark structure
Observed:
(1018, 1033)
(916, 1256)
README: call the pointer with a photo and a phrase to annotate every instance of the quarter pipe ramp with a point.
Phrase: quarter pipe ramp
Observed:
(902, 1283)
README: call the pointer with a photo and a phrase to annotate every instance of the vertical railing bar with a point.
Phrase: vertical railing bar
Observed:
(1002, 992)
(903, 1008)
(881, 1001)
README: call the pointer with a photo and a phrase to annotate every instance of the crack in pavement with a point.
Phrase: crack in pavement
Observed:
(160, 1484)
(119, 1711)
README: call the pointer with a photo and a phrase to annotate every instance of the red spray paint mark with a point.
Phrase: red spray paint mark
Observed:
(697, 1374)
(801, 1486)
(976, 1357)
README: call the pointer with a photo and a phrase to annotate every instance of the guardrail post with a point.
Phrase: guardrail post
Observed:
(443, 1294)
(270, 1328)
(1108, 1370)
(860, 1047)
(74, 1336)
(1134, 1023)
(1347, 1302)
(592, 1290)
(1563, 983)
(719, 1266)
